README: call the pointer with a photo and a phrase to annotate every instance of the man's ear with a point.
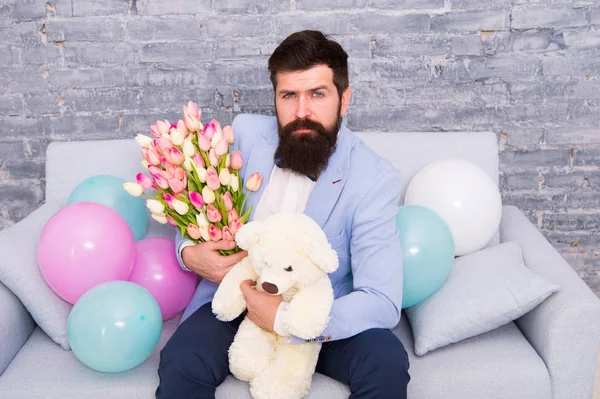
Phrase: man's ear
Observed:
(345, 100)
(248, 234)
(322, 255)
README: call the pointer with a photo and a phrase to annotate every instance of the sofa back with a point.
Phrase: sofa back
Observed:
(69, 163)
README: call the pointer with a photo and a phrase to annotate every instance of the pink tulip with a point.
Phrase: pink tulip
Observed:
(160, 181)
(236, 160)
(213, 214)
(215, 233)
(203, 142)
(198, 161)
(169, 200)
(177, 156)
(176, 185)
(232, 215)
(166, 158)
(192, 109)
(182, 128)
(221, 148)
(144, 181)
(154, 169)
(163, 143)
(227, 200)
(228, 134)
(154, 130)
(212, 179)
(163, 127)
(235, 225)
(196, 200)
(191, 122)
(253, 183)
(152, 156)
(179, 173)
(227, 234)
(171, 221)
(193, 231)
(212, 158)
(209, 130)
(168, 172)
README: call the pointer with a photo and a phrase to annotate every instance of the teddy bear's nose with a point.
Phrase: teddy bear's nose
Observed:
(270, 288)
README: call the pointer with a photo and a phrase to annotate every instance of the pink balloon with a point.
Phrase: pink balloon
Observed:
(83, 245)
(157, 270)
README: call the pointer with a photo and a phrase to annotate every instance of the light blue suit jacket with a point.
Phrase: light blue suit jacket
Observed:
(355, 201)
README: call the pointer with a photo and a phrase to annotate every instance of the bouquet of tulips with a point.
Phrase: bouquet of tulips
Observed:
(193, 178)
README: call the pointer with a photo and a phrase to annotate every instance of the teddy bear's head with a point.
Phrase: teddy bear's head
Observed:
(287, 250)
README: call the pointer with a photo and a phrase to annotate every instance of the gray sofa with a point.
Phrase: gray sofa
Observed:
(548, 353)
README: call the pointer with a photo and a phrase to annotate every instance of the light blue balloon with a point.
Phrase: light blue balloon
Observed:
(114, 326)
(427, 252)
(108, 190)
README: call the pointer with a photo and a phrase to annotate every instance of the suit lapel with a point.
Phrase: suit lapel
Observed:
(329, 185)
(261, 161)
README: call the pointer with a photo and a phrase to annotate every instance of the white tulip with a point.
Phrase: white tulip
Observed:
(162, 219)
(134, 189)
(224, 177)
(204, 233)
(208, 195)
(155, 206)
(143, 140)
(187, 163)
(188, 148)
(201, 220)
(234, 183)
(145, 163)
(215, 139)
(177, 137)
(180, 207)
(201, 174)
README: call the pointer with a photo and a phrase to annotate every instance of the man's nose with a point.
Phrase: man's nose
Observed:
(302, 110)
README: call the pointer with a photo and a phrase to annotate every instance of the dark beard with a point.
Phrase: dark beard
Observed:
(306, 153)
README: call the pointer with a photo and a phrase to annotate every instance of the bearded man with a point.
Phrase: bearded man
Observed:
(312, 164)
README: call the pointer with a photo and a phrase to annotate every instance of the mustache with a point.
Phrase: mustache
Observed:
(304, 123)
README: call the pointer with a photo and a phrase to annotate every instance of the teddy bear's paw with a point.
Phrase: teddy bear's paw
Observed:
(245, 363)
(227, 310)
(265, 386)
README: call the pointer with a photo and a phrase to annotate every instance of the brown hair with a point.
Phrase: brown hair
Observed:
(305, 49)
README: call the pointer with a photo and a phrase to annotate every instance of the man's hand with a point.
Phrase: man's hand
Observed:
(262, 307)
(205, 260)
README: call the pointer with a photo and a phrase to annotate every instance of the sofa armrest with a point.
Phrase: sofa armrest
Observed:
(16, 326)
(564, 329)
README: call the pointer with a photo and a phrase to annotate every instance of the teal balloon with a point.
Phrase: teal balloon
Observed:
(114, 326)
(427, 252)
(108, 190)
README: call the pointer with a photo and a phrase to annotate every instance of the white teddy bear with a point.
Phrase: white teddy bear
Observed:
(288, 255)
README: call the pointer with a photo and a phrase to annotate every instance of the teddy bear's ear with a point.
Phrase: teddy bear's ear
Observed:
(323, 256)
(248, 234)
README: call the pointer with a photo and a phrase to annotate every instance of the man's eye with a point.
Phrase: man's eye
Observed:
(318, 94)
(288, 269)
(288, 95)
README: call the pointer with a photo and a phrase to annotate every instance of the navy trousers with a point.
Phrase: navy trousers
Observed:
(194, 362)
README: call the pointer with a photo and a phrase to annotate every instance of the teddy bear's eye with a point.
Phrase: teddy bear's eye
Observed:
(288, 269)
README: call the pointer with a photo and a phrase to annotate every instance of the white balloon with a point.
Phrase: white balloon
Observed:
(462, 194)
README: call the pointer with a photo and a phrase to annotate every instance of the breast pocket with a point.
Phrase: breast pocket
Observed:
(337, 240)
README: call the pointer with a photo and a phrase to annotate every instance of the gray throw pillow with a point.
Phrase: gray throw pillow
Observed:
(485, 289)
(19, 272)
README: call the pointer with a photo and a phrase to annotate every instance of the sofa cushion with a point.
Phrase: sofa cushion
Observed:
(484, 290)
(20, 272)
(15, 328)
(499, 364)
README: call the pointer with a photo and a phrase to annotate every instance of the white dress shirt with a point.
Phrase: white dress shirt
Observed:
(286, 192)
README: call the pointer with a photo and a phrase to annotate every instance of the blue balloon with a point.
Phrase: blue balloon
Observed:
(114, 326)
(109, 191)
(427, 252)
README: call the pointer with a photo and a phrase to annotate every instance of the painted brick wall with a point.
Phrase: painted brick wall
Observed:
(526, 70)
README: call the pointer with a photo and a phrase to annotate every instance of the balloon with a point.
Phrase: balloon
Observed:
(427, 252)
(83, 245)
(114, 326)
(109, 191)
(464, 195)
(157, 269)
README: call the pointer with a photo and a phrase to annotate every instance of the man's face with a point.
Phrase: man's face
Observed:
(309, 111)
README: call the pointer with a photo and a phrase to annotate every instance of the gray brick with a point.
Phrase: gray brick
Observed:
(513, 67)
(22, 79)
(240, 26)
(466, 45)
(85, 30)
(153, 7)
(223, 74)
(24, 169)
(99, 7)
(164, 100)
(22, 9)
(519, 160)
(584, 199)
(529, 18)
(571, 241)
(176, 52)
(83, 127)
(582, 39)
(595, 16)
(567, 180)
(11, 150)
(42, 103)
(529, 180)
(11, 104)
(256, 97)
(588, 156)
(98, 54)
(471, 21)
(535, 201)
(385, 46)
(523, 139)
(22, 191)
(241, 6)
(278, 6)
(403, 5)
(178, 29)
(62, 8)
(329, 24)
(243, 48)
(538, 41)
(86, 78)
(25, 33)
(573, 135)
(101, 100)
(10, 56)
(357, 46)
(376, 23)
(40, 55)
(572, 221)
(460, 5)
(316, 5)
(169, 78)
